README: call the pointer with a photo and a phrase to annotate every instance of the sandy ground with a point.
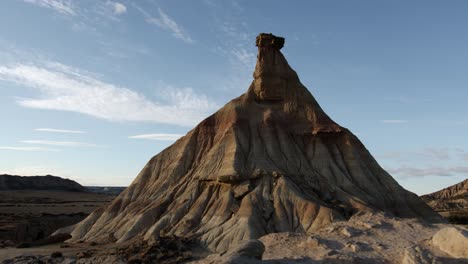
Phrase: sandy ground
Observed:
(51, 202)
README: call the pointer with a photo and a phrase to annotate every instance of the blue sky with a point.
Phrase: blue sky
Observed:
(91, 90)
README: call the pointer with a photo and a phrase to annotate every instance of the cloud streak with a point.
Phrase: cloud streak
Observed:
(429, 154)
(61, 6)
(409, 172)
(53, 130)
(118, 8)
(394, 121)
(27, 148)
(165, 22)
(158, 136)
(65, 88)
(59, 143)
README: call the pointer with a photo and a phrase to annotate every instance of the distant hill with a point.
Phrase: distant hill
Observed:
(450, 198)
(451, 202)
(48, 182)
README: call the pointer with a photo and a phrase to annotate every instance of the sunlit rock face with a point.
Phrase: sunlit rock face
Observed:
(269, 161)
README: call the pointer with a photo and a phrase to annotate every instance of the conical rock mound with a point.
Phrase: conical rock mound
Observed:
(269, 161)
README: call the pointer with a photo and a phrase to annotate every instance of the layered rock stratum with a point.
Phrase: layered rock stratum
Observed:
(269, 161)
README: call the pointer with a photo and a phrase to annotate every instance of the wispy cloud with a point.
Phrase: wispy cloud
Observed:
(243, 56)
(409, 172)
(158, 136)
(406, 99)
(117, 8)
(433, 161)
(429, 154)
(27, 148)
(394, 121)
(165, 22)
(65, 88)
(59, 143)
(235, 41)
(61, 6)
(237, 45)
(53, 130)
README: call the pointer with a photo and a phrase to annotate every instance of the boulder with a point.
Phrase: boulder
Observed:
(249, 249)
(453, 241)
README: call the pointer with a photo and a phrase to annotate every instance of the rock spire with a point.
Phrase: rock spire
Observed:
(269, 161)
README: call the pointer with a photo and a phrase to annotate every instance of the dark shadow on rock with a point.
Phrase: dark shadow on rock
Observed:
(165, 250)
(332, 244)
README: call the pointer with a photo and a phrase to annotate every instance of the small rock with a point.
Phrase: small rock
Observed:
(366, 225)
(311, 242)
(380, 246)
(84, 254)
(354, 247)
(358, 246)
(349, 232)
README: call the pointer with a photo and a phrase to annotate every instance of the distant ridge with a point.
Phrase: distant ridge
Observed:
(450, 198)
(47, 182)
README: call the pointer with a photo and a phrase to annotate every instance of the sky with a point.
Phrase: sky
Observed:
(91, 90)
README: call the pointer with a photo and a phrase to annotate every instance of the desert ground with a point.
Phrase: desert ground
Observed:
(369, 237)
(31, 215)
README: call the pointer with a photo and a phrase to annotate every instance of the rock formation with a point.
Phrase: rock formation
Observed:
(269, 161)
(48, 182)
